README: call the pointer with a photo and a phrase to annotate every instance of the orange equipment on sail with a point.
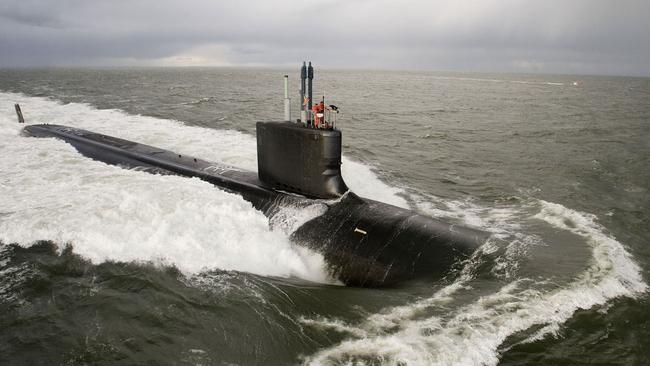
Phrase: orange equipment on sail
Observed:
(319, 115)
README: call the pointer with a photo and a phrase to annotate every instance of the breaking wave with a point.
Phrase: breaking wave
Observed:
(427, 332)
(50, 192)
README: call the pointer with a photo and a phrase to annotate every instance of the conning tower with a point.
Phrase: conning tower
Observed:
(302, 157)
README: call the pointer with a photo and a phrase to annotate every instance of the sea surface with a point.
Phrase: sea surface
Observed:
(102, 266)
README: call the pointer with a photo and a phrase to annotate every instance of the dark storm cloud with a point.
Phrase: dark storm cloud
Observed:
(578, 36)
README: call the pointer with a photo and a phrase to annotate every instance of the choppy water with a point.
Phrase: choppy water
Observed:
(100, 265)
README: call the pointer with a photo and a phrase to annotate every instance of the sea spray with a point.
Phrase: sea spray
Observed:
(108, 213)
(472, 334)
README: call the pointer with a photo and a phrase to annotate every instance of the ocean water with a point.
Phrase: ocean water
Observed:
(101, 265)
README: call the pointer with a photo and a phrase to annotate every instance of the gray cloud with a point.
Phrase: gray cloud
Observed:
(578, 36)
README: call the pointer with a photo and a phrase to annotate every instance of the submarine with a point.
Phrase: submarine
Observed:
(366, 243)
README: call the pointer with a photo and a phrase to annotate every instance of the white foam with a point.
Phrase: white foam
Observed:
(500, 221)
(108, 213)
(361, 179)
(471, 334)
(226, 146)
(49, 191)
(290, 218)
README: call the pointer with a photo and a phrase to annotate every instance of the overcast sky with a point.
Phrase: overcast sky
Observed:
(551, 36)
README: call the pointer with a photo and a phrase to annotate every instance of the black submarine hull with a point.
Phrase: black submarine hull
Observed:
(365, 242)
